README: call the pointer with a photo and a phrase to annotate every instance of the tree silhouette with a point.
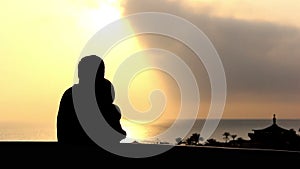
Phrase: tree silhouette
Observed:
(226, 136)
(211, 141)
(178, 140)
(194, 139)
(233, 136)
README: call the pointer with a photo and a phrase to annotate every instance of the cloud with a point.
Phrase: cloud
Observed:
(260, 58)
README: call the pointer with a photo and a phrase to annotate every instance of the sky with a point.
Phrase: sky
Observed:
(257, 41)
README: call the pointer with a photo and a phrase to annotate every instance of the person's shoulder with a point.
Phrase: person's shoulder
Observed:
(68, 92)
(69, 89)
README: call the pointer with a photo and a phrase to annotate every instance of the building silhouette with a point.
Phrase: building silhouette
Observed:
(275, 136)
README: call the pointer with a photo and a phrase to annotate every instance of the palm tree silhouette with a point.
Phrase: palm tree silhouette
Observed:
(233, 136)
(226, 136)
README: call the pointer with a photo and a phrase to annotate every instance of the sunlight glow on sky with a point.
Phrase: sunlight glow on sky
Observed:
(40, 44)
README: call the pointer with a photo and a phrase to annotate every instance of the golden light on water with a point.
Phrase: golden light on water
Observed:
(139, 94)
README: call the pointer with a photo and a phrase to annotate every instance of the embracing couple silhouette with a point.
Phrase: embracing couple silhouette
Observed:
(69, 128)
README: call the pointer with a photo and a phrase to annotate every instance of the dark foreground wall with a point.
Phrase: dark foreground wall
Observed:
(51, 152)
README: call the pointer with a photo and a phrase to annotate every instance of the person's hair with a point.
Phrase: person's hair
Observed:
(88, 65)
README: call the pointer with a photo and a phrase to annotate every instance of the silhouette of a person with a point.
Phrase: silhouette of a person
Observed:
(69, 129)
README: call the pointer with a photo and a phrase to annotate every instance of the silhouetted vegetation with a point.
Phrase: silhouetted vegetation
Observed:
(192, 140)
(273, 137)
(211, 142)
(226, 136)
(233, 136)
(178, 140)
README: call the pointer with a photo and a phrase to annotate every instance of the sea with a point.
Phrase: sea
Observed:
(239, 127)
(156, 133)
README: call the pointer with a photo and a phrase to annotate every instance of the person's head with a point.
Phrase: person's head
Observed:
(90, 68)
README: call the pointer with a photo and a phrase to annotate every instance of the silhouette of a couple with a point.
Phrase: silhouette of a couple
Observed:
(69, 129)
